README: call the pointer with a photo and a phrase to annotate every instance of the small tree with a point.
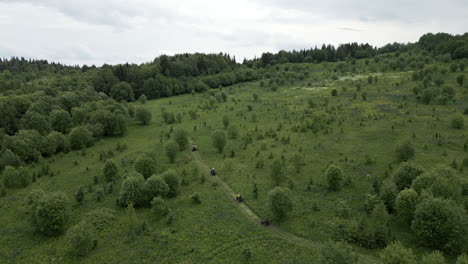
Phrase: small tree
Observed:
(79, 195)
(435, 257)
(334, 177)
(405, 174)
(159, 207)
(181, 138)
(16, 178)
(155, 186)
(279, 202)
(388, 193)
(460, 79)
(462, 259)
(226, 121)
(396, 253)
(50, 213)
(142, 99)
(405, 151)
(132, 190)
(80, 239)
(145, 165)
(277, 172)
(60, 120)
(173, 181)
(143, 115)
(219, 140)
(232, 132)
(405, 204)
(457, 122)
(80, 137)
(337, 253)
(171, 149)
(110, 170)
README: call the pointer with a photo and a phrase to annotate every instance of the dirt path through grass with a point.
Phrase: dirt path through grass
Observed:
(255, 219)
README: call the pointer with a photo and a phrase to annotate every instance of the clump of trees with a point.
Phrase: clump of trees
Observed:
(280, 202)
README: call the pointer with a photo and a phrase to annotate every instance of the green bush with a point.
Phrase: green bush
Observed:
(50, 212)
(219, 140)
(396, 253)
(80, 137)
(110, 170)
(181, 138)
(277, 172)
(441, 224)
(145, 165)
(143, 115)
(173, 181)
(132, 190)
(279, 202)
(16, 178)
(80, 239)
(457, 122)
(159, 207)
(155, 186)
(388, 194)
(171, 149)
(337, 253)
(406, 203)
(405, 174)
(435, 257)
(405, 151)
(334, 177)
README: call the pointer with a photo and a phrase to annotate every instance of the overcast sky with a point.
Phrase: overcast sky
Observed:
(117, 31)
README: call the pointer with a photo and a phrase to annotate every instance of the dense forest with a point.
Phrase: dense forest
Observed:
(50, 111)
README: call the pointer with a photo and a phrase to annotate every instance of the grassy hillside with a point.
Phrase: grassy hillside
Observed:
(354, 120)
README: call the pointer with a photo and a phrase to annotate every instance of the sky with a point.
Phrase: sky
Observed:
(117, 31)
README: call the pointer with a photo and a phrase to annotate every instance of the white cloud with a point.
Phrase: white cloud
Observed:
(118, 31)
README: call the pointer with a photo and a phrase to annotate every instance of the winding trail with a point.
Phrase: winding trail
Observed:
(255, 219)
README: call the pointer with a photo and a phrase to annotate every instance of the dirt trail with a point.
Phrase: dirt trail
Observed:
(255, 219)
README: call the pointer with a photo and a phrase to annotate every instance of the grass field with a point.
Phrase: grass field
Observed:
(358, 135)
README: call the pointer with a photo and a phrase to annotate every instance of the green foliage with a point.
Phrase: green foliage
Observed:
(457, 122)
(334, 177)
(460, 79)
(171, 149)
(111, 170)
(80, 239)
(181, 138)
(439, 182)
(132, 190)
(50, 212)
(156, 186)
(337, 253)
(219, 140)
(159, 207)
(406, 203)
(462, 259)
(279, 202)
(142, 99)
(8, 158)
(60, 120)
(435, 257)
(405, 174)
(226, 121)
(143, 115)
(79, 195)
(145, 165)
(232, 132)
(388, 194)
(122, 91)
(371, 202)
(277, 172)
(36, 121)
(16, 178)
(405, 151)
(173, 181)
(441, 224)
(80, 137)
(396, 253)
(195, 197)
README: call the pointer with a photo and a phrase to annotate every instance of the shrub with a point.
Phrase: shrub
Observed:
(60, 120)
(371, 202)
(101, 218)
(142, 99)
(110, 170)
(232, 132)
(435, 257)
(388, 193)
(334, 177)
(337, 253)
(405, 174)
(457, 122)
(80, 137)
(277, 172)
(405, 204)
(279, 202)
(145, 165)
(159, 207)
(155, 186)
(462, 259)
(441, 224)
(8, 158)
(16, 178)
(173, 181)
(219, 140)
(79, 195)
(405, 151)
(181, 138)
(171, 149)
(396, 253)
(195, 197)
(50, 213)
(143, 115)
(132, 190)
(80, 239)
